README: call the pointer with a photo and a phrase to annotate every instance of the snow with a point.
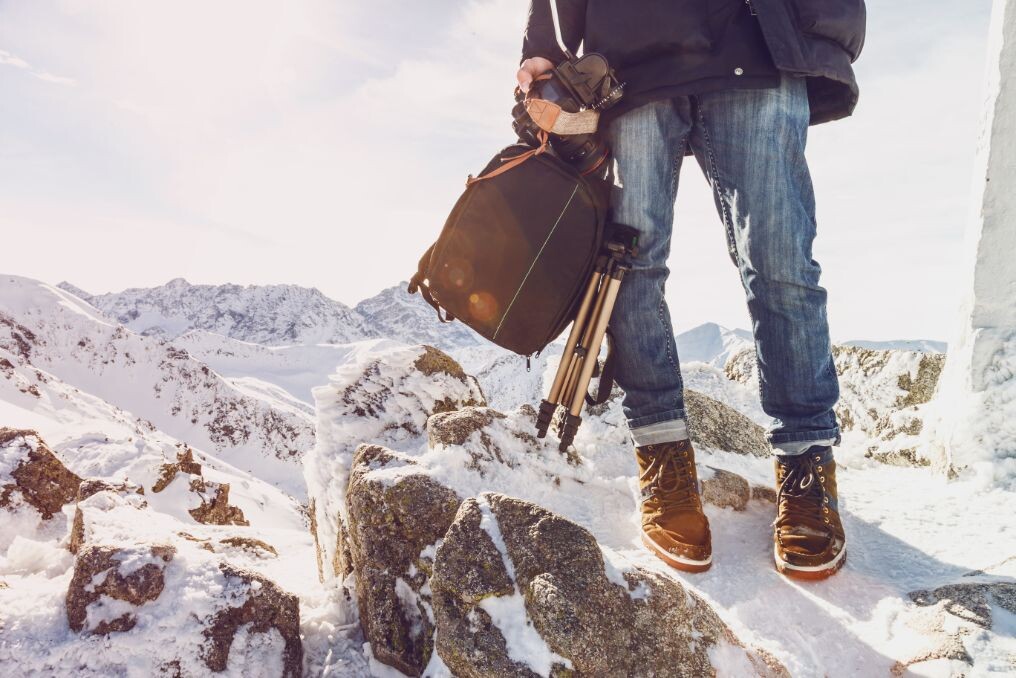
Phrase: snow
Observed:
(974, 428)
(523, 642)
(712, 344)
(907, 528)
(152, 384)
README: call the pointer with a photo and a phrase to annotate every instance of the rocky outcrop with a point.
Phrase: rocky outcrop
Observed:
(31, 476)
(393, 526)
(265, 607)
(184, 464)
(506, 561)
(882, 395)
(385, 398)
(721, 427)
(104, 574)
(208, 604)
(253, 546)
(214, 508)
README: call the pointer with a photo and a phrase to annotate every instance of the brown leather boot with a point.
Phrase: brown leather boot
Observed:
(673, 524)
(809, 539)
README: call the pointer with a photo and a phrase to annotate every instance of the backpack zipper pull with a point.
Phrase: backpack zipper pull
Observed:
(529, 365)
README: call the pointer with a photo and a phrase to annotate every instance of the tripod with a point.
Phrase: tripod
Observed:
(579, 359)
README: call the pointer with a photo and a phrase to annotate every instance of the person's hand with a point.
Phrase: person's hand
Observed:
(530, 69)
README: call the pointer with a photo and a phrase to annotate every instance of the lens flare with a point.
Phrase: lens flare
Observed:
(459, 274)
(483, 306)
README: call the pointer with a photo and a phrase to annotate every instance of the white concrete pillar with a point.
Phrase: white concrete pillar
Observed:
(973, 418)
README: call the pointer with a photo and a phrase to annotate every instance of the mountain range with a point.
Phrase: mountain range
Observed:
(289, 315)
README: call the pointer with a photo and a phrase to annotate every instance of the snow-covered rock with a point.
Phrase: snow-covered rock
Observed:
(274, 315)
(393, 526)
(949, 624)
(883, 397)
(47, 334)
(518, 590)
(110, 583)
(219, 616)
(34, 486)
(384, 397)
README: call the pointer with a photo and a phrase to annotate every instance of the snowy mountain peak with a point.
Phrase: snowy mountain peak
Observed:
(711, 343)
(397, 314)
(75, 290)
(274, 315)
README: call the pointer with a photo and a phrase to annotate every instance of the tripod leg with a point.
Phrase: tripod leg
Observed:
(599, 329)
(570, 353)
(572, 419)
(577, 330)
(582, 351)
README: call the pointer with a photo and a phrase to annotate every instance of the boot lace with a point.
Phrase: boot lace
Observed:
(801, 497)
(671, 481)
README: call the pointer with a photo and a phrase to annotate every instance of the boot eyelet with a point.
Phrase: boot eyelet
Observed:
(825, 510)
(818, 458)
(820, 469)
(825, 520)
(826, 500)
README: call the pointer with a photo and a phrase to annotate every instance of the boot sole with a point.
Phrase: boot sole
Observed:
(676, 562)
(810, 572)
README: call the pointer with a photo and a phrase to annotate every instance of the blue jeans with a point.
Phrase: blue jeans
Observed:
(750, 145)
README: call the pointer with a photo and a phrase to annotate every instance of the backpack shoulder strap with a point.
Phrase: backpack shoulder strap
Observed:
(418, 283)
(606, 383)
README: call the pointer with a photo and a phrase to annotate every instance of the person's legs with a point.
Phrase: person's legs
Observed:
(648, 146)
(751, 144)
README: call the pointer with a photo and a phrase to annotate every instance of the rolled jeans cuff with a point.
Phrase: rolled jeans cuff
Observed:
(667, 431)
(793, 444)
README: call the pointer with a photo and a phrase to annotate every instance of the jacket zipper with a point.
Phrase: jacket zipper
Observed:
(751, 7)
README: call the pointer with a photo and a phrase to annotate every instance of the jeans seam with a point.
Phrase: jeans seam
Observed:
(668, 328)
(731, 238)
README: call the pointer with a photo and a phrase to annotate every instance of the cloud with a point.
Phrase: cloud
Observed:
(8, 59)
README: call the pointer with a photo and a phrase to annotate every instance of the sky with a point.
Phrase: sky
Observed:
(323, 142)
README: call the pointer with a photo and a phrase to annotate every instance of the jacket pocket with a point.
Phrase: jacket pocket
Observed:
(631, 31)
(842, 21)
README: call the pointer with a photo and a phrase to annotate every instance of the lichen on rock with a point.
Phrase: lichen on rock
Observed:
(393, 520)
(724, 488)
(721, 427)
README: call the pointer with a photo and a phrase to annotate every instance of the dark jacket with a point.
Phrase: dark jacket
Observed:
(658, 46)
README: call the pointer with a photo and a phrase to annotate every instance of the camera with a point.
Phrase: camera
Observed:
(565, 104)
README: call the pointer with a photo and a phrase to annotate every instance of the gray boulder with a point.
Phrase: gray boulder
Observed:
(719, 426)
(511, 576)
(393, 525)
(724, 488)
